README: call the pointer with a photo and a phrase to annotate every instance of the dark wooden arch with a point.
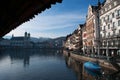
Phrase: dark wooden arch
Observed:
(15, 12)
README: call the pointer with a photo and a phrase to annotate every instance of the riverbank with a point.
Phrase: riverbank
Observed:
(104, 63)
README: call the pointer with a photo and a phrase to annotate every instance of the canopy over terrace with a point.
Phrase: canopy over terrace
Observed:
(15, 12)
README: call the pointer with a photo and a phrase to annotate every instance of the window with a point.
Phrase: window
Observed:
(113, 42)
(116, 42)
(104, 27)
(103, 43)
(113, 15)
(109, 42)
(100, 35)
(113, 32)
(103, 19)
(113, 24)
(118, 22)
(108, 26)
(118, 13)
(108, 34)
(108, 17)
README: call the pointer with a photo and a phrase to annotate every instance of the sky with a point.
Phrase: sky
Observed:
(59, 20)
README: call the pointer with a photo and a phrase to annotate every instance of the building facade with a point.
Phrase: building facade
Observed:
(101, 31)
(5, 42)
(23, 41)
(110, 28)
(90, 31)
(74, 40)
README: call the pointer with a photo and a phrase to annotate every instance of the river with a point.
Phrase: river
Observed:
(34, 64)
(43, 64)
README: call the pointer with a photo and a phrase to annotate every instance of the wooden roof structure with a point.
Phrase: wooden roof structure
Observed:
(15, 12)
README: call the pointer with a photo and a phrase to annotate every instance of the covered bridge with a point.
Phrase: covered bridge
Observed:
(15, 12)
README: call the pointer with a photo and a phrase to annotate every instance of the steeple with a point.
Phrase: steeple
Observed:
(25, 34)
(28, 35)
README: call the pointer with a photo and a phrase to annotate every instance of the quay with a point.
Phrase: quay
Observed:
(103, 63)
(110, 69)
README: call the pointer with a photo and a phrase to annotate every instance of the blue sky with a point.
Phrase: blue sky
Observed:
(60, 20)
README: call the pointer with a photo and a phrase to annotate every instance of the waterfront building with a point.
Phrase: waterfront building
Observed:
(21, 41)
(74, 40)
(101, 31)
(67, 43)
(70, 42)
(90, 31)
(110, 27)
(4, 42)
(78, 38)
(84, 39)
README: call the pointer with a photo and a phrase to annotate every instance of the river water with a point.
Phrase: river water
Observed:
(43, 64)
(34, 64)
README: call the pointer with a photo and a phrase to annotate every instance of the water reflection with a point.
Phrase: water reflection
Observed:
(34, 64)
(25, 54)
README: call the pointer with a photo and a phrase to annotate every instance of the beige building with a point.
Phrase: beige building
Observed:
(74, 41)
(90, 31)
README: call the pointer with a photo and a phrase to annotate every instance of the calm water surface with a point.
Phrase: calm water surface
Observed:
(27, 64)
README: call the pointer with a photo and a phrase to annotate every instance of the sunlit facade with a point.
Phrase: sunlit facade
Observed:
(110, 27)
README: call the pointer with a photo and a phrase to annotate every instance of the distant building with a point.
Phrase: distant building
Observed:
(4, 42)
(74, 41)
(23, 41)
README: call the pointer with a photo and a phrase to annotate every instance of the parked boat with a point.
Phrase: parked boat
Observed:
(92, 68)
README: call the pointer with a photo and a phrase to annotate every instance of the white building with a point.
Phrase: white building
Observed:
(5, 42)
(21, 41)
(110, 27)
